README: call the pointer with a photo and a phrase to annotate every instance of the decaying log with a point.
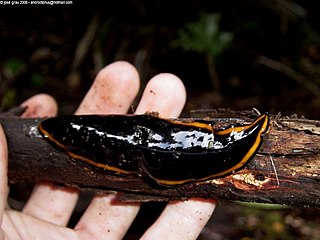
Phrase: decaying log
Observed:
(286, 169)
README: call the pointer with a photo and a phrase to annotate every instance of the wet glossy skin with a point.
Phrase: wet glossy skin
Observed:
(166, 151)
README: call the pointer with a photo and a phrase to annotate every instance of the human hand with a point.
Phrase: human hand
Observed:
(49, 208)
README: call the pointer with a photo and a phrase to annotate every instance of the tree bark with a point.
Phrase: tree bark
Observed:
(286, 169)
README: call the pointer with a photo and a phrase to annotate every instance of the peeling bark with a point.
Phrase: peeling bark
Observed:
(286, 169)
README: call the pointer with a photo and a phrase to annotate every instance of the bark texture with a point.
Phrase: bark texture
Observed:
(286, 169)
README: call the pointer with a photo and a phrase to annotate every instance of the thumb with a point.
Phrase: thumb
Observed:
(3, 173)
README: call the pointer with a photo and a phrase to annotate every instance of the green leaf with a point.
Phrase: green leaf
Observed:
(204, 36)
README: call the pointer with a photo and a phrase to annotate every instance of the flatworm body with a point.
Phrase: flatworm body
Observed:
(169, 152)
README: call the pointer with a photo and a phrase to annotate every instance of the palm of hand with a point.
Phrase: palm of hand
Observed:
(49, 208)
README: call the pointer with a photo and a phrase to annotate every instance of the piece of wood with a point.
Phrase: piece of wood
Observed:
(286, 169)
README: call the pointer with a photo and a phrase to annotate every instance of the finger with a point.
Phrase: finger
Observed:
(113, 91)
(165, 93)
(118, 80)
(181, 220)
(46, 201)
(40, 105)
(106, 218)
(46, 198)
(115, 217)
(3, 173)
